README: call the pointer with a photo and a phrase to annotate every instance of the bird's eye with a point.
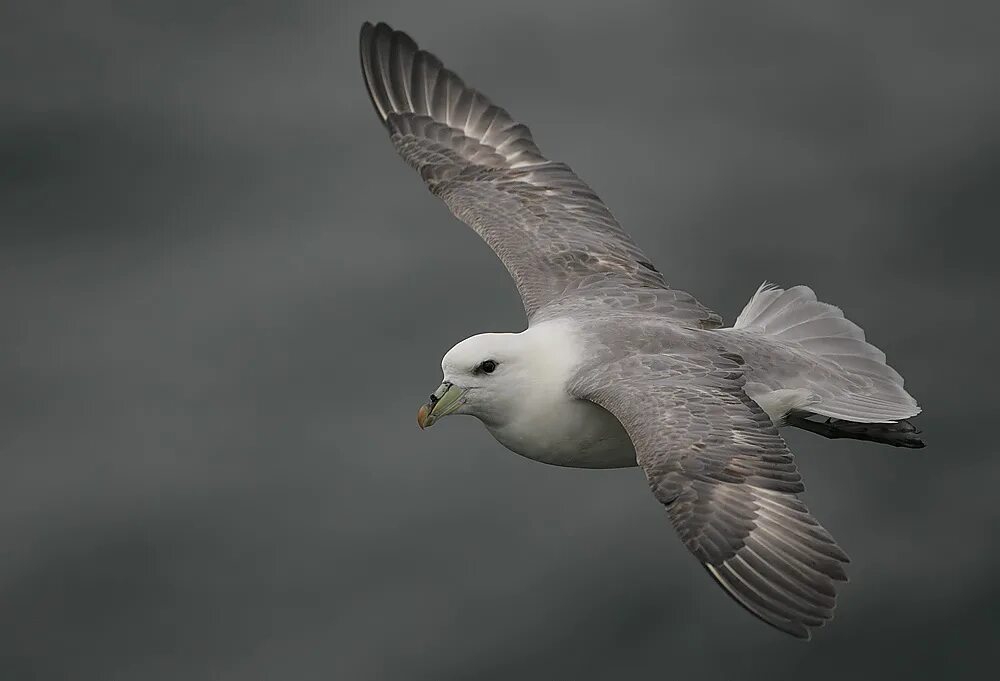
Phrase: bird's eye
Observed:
(488, 367)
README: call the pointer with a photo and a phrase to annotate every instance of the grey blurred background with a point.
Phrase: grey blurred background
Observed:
(224, 297)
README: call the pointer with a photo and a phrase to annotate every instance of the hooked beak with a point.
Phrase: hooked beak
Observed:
(446, 399)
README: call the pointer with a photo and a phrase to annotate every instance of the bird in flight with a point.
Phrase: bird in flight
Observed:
(618, 369)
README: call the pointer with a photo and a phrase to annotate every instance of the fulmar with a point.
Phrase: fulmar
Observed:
(616, 369)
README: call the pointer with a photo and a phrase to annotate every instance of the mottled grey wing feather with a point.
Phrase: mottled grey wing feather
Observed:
(550, 230)
(728, 481)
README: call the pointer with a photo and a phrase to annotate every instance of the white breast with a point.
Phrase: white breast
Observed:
(570, 432)
(551, 426)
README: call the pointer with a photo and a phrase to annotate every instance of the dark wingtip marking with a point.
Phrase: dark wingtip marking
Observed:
(648, 265)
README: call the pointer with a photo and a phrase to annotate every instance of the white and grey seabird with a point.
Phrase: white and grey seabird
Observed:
(617, 369)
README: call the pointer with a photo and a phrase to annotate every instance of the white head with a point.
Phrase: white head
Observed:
(484, 376)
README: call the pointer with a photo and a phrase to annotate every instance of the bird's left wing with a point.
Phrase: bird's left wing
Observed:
(549, 228)
(728, 481)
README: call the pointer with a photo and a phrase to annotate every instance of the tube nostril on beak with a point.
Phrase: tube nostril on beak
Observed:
(444, 399)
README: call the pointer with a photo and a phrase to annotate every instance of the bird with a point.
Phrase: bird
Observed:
(617, 369)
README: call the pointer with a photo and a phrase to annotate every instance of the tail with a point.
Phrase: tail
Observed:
(847, 378)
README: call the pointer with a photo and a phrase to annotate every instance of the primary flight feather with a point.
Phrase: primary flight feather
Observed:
(617, 369)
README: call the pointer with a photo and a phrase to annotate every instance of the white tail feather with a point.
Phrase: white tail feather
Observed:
(856, 384)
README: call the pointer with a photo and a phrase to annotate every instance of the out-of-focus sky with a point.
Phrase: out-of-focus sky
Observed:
(224, 297)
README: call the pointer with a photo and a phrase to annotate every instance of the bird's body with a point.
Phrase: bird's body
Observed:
(549, 424)
(617, 369)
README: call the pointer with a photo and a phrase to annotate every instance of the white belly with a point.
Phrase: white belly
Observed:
(567, 432)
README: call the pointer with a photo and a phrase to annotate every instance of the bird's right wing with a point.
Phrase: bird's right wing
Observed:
(727, 479)
(549, 228)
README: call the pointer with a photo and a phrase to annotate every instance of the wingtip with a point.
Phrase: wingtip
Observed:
(380, 47)
(370, 33)
(371, 30)
(368, 38)
(367, 31)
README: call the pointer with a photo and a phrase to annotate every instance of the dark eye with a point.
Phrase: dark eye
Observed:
(488, 367)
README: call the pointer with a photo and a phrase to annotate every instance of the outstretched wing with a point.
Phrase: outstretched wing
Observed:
(728, 481)
(549, 228)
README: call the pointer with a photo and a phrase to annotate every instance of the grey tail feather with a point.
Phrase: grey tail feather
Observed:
(861, 386)
(900, 434)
